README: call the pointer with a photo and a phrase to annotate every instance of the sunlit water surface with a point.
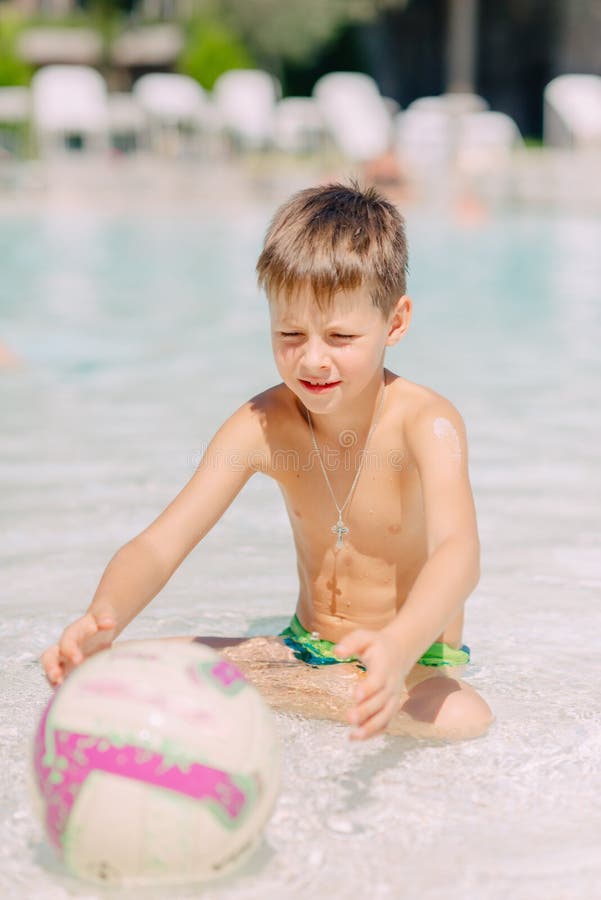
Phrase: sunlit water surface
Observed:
(137, 337)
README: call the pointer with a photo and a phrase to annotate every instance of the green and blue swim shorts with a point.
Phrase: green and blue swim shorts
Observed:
(315, 651)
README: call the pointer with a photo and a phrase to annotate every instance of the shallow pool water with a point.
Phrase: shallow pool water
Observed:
(137, 336)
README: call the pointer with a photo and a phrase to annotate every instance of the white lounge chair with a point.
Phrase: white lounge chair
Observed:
(486, 140)
(245, 101)
(126, 122)
(176, 109)
(425, 139)
(355, 114)
(69, 108)
(298, 125)
(572, 111)
(455, 104)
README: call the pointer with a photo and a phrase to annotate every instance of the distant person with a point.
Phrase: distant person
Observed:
(8, 359)
(389, 178)
(469, 210)
(374, 473)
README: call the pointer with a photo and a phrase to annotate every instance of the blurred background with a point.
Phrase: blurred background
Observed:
(497, 98)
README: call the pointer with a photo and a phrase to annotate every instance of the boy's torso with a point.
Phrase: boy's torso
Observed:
(365, 582)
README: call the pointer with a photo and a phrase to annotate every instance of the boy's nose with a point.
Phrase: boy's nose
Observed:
(316, 356)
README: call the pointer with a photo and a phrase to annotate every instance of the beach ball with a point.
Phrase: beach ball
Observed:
(155, 761)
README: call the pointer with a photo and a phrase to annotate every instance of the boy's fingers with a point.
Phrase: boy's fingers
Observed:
(50, 665)
(79, 631)
(368, 686)
(353, 644)
(70, 650)
(368, 708)
(48, 655)
(376, 724)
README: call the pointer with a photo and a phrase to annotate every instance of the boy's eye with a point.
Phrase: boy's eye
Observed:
(337, 336)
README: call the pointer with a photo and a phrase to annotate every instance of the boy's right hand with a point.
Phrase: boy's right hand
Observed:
(85, 636)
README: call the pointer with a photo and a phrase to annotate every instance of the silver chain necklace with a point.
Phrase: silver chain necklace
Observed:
(340, 529)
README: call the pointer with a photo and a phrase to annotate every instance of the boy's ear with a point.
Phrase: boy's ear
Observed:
(399, 320)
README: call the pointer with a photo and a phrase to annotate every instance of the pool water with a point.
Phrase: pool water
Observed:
(137, 336)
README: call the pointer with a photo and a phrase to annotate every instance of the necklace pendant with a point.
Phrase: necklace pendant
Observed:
(339, 529)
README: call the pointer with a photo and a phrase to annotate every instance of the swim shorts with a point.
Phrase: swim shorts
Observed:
(315, 651)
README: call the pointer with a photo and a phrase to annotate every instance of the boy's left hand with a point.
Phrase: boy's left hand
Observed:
(378, 694)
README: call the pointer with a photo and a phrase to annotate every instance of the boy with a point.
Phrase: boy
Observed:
(373, 470)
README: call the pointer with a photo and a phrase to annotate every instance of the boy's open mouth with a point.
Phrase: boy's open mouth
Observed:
(318, 388)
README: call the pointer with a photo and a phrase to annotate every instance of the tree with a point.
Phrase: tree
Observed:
(293, 30)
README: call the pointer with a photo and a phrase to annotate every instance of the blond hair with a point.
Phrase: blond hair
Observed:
(335, 238)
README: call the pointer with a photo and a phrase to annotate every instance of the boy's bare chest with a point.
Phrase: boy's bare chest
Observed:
(377, 497)
(363, 581)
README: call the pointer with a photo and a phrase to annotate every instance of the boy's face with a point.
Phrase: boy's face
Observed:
(329, 357)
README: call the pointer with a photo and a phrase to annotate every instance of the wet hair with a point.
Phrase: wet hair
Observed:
(335, 238)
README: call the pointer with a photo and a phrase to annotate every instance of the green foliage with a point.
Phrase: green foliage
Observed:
(13, 71)
(107, 18)
(533, 142)
(280, 30)
(212, 49)
(293, 30)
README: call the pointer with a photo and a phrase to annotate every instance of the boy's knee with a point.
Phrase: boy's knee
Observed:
(451, 707)
(465, 713)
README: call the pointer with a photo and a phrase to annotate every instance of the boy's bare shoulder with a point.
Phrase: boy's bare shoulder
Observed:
(421, 406)
(265, 419)
(275, 404)
(258, 409)
(247, 434)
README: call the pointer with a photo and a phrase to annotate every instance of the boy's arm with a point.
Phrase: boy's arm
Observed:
(142, 567)
(438, 443)
(452, 569)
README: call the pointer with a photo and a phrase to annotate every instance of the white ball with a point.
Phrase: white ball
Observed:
(155, 761)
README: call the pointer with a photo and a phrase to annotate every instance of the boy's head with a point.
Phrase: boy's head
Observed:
(336, 238)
